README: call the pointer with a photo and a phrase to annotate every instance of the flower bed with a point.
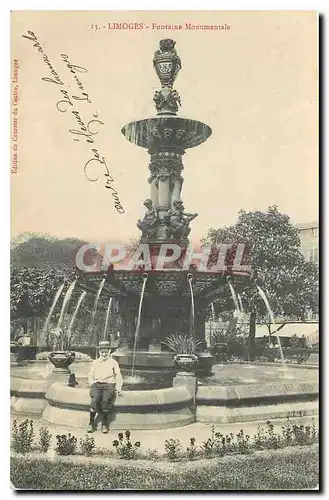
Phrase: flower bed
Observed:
(217, 445)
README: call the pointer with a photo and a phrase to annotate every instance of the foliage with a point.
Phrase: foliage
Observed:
(22, 436)
(44, 439)
(40, 263)
(218, 444)
(273, 439)
(41, 250)
(125, 448)
(243, 444)
(173, 448)
(288, 469)
(182, 344)
(32, 290)
(192, 450)
(87, 445)
(66, 444)
(273, 247)
(229, 332)
(260, 439)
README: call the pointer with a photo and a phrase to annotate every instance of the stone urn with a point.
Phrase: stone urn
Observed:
(62, 360)
(205, 362)
(219, 351)
(186, 362)
(124, 344)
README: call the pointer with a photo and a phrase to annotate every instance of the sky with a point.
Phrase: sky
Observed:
(255, 85)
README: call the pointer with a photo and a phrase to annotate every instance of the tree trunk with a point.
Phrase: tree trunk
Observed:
(252, 334)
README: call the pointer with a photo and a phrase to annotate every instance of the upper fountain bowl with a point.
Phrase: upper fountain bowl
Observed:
(167, 131)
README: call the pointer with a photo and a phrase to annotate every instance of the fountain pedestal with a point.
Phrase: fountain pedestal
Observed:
(188, 380)
(60, 375)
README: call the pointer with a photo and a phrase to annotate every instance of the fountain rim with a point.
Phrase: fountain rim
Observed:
(144, 122)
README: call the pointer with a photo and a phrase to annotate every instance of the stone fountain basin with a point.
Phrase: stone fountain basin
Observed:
(154, 409)
(235, 393)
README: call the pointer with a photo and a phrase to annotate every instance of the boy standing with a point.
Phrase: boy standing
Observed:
(105, 382)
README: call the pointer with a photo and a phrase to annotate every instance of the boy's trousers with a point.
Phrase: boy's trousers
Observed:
(102, 396)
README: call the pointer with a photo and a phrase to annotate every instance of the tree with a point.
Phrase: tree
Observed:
(40, 263)
(41, 250)
(32, 290)
(273, 246)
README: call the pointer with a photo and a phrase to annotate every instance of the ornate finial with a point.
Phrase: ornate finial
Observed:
(167, 65)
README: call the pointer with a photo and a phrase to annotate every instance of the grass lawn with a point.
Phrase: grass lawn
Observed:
(286, 469)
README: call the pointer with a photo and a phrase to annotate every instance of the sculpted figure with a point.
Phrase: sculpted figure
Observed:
(178, 221)
(149, 222)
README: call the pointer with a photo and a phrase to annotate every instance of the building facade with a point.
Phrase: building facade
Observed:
(309, 239)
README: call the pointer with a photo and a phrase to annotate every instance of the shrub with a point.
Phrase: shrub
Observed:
(287, 433)
(208, 446)
(314, 432)
(192, 450)
(22, 436)
(218, 444)
(273, 439)
(302, 435)
(87, 445)
(173, 449)
(66, 444)
(44, 439)
(259, 440)
(243, 446)
(125, 449)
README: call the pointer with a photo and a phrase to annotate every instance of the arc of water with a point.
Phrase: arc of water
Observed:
(145, 276)
(107, 317)
(213, 312)
(81, 298)
(66, 301)
(240, 303)
(189, 279)
(242, 315)
(271, 314)
(53, 305)
(235, 300)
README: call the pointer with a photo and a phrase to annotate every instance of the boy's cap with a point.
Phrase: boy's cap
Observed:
(105, 344)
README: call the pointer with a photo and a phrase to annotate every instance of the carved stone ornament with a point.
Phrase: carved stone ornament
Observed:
(148, 225)
(167, 102)
(167, 63)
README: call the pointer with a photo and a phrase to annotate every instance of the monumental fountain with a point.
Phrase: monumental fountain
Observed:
(156, 303)
(174, 300)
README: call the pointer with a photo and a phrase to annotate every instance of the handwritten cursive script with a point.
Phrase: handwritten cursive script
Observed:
(98, 160)
(84, 130)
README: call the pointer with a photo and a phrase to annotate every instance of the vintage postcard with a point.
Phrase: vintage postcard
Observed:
(164, 328)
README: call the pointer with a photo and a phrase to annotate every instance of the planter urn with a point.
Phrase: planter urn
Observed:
(187, 363)
(62, 360)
